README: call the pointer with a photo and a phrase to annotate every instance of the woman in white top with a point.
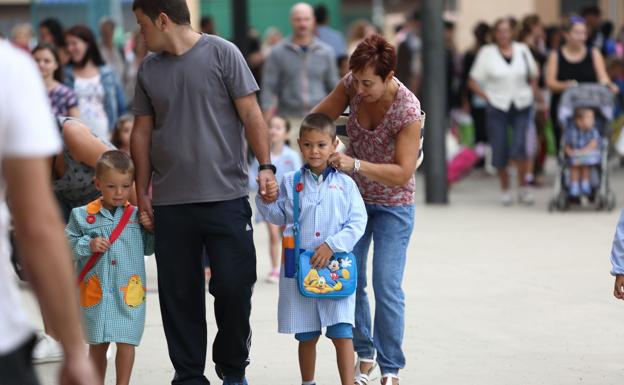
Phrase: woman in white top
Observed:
(100, 98)
(504, 74)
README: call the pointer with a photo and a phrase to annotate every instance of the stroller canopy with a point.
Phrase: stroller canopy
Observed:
(588, 95)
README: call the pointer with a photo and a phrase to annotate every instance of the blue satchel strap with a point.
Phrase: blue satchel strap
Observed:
(296, 180)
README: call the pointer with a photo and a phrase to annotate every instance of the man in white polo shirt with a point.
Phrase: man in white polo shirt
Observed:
(27, 138)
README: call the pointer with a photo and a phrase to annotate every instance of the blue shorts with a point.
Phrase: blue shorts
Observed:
(498, 122)
(341, 330)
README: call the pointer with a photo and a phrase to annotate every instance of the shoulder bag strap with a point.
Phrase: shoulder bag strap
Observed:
(114, 235)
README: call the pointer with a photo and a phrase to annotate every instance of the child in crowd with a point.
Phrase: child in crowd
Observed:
(582, 150)
(332, 219)
(122, 132)
(285, 160)
(112, 293)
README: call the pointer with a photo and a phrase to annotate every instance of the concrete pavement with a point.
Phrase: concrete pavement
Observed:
(513, 296)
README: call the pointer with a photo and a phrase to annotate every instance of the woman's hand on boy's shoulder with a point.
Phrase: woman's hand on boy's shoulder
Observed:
(146, 220)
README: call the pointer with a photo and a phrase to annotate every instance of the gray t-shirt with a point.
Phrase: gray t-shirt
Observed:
(198, 145)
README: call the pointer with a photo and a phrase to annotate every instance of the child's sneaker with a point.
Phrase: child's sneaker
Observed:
(585, 188)
(47, 350)
(273, 276)
(575, 190)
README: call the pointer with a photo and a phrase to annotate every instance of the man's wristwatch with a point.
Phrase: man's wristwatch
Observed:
(267, 166)
(356, 165)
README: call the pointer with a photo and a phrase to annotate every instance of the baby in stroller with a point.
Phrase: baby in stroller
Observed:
(582, 150)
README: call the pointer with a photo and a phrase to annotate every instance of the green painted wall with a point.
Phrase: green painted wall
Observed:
(264, 14)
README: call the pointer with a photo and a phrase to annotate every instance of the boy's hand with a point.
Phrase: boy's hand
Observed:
(618, 290)
(321, 256)
(99, 245)
(146, 220)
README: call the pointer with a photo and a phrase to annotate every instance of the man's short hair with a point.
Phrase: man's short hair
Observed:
(114, 160)
(320, 14)
(177, 10)
(318, 122)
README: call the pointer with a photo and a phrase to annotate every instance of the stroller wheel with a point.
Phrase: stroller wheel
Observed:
(600, 202)
(552, 205)
(562, 202)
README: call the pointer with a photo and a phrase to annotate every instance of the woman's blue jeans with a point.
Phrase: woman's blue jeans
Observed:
(390, 228)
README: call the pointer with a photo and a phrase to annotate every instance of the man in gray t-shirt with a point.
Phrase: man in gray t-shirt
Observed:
(195, 104)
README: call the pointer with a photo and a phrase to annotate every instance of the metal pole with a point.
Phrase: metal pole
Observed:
(434, 101)
(240, 24)
(378, 14)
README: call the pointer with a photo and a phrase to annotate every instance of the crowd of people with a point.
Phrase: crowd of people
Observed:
(285, 91)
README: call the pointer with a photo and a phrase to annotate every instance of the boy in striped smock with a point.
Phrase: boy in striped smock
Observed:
(112, 292)
(332, 219)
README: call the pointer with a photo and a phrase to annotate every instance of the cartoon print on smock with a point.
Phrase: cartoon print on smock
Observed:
(134, 291)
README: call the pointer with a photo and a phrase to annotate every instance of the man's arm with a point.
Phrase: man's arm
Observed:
(39, 228)
(257, 135)
(140, 146)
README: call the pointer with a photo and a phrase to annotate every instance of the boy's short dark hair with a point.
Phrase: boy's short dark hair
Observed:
(114, 160)
(177, 10)
(318, 122)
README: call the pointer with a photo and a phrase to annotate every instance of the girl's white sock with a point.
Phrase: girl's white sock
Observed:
(308, 383)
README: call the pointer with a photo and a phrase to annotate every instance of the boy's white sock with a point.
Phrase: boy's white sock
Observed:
(308, 383)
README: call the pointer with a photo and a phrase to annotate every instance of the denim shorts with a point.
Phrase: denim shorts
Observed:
(498, 122)
(341, 330)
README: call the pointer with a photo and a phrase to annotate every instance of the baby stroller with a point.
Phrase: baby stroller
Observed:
(600, 99)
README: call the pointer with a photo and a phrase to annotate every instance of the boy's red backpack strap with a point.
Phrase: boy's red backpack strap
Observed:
(113, 237)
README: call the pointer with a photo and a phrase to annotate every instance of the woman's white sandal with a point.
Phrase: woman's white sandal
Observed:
(390, 377)
(364, 378)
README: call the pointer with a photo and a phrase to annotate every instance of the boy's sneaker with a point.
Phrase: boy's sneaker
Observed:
(47, 350)
(526, 196)
(585, 188)
(506, 199)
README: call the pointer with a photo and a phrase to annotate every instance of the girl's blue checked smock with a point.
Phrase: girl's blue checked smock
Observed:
(112, 294)
(332, 211)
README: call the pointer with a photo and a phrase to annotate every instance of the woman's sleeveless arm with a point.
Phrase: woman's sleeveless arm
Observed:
(334, 104)
(551, 74)
(82, 145)
(402, 170)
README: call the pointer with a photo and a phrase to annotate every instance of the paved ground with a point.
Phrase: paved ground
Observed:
(513, 296)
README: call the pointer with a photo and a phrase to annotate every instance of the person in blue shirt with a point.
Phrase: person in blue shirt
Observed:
(332, 219)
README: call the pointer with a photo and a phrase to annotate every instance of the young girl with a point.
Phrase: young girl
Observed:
(332, 219)
(285, 160)
(122, 132)
(62, 98)
(112, 293)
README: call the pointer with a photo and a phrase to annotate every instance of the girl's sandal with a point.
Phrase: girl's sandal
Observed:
(364, 378)
(388, 379)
